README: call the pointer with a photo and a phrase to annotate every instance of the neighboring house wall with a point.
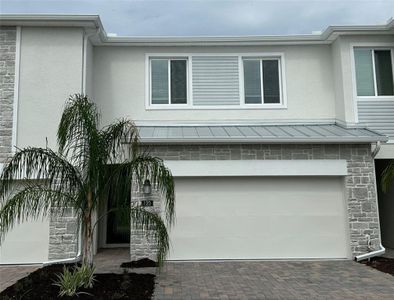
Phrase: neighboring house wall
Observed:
(7, 81)
(51, 69)
(360, 182)
(120, 82)
(373, 113)
(377, 115)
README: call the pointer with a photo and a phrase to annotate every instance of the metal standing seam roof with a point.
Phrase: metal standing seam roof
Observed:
(330, 133)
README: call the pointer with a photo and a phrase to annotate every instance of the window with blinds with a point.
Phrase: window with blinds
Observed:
(261, 81)
(169, 81)
(374, 72)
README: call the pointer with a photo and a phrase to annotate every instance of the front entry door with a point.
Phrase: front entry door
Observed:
(118, 228)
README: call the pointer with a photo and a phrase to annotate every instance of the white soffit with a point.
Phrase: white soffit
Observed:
(210, 168)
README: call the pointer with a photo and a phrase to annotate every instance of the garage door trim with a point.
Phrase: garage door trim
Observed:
(214, 168)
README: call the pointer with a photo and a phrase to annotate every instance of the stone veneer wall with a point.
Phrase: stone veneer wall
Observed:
(360, 182)
(7, 81)
(140, 245)
(63, 234)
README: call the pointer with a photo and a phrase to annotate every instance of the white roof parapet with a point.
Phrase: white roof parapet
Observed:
(102, 38)
(257, 134)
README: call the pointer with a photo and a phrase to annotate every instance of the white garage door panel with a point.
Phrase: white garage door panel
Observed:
(259, 217)
(26, 243)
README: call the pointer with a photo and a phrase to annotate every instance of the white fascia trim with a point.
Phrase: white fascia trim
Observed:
(52, 20)
(209, 168)
(14, 139)
(236, 122)
(186, 141)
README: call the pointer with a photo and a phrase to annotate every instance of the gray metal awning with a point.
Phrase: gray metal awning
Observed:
(329, 133)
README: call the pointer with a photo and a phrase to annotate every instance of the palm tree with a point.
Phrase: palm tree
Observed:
(89, 161)
(388, 176)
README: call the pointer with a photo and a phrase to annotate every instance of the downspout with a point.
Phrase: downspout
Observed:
(74, 259)
(381, 249)
(376, 150)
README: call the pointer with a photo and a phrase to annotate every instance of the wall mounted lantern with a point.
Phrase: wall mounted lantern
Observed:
(147, 189)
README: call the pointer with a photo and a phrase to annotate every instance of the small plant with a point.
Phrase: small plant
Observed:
(70, 282)
(87, 274)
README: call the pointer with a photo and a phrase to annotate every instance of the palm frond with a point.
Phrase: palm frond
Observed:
(138, 170)
(32, 201)
(116, 136)
(40, 164)
(388, 177)
(77, 134)
(79, 119)
(153, 227)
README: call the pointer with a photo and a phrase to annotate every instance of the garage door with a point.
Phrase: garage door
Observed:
(259, 218)
(26, 243)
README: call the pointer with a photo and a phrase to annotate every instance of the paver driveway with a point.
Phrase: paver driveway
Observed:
(12, 273)
(272, 280)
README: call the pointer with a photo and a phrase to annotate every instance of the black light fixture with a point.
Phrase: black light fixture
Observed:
(147, 189)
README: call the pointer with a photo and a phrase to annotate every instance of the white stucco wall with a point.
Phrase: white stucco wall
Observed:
(386, 151)
(89, 69)
(336, 56)
(50, 70)
(119, 85)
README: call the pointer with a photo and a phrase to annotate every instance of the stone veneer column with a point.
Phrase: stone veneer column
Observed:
(360, 184)
(140, 245)
(63, 234)
(7, 82)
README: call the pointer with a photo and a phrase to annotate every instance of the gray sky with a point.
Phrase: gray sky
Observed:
(213, 17)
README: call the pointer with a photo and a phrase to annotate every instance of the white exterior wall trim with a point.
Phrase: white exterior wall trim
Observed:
(16, 89)
(209, 168)
(241, 106)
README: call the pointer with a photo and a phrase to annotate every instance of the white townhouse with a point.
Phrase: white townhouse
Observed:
(276, 143)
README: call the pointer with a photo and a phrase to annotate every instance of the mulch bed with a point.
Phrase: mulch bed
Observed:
(141, 263)
(39, 285)
(382, 264)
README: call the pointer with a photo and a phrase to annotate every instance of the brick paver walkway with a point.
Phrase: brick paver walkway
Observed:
(272, 280)
(11, 274)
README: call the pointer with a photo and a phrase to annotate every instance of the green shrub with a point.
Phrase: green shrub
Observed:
(69, 282)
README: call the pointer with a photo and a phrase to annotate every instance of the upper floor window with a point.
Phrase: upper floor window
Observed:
(168, 81)
(215, 81)
(261, 81)
(374, 72)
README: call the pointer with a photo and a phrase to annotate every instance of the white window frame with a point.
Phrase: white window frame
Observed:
(242, 105)
(373, 48)
(261, 59)
(169, 59)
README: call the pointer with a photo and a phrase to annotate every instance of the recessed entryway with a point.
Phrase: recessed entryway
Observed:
(386, 205)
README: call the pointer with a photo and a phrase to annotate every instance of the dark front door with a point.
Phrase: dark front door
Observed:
(118, 226)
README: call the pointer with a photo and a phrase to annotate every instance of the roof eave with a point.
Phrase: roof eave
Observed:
(54, 20)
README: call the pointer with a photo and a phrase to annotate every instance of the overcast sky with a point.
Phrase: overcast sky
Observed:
(213, 17)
